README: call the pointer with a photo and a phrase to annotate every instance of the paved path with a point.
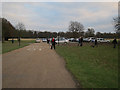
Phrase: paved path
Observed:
(35, 66)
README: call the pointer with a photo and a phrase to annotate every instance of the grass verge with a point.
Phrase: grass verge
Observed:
(7, 46)
(92, 67)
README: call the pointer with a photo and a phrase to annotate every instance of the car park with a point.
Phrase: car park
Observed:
(74, 40)
(102, 40)
(85, 39)
(77, 39)
(71, 39)
(44, 40)
(91, 39)
(37, 40)
(62, 41)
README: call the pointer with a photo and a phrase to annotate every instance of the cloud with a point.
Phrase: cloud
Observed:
(59, 0)
(0, 9)
(56, 16)
(105, 28)
(102, 10)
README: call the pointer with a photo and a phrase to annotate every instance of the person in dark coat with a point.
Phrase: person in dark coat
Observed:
(81, 41)
(48, 41)
(19, 41)
(96, 42)
(114, 42)
(53, 43)
(12, 40)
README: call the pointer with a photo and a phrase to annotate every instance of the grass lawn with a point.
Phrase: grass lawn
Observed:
(92, 67)
(8, 46)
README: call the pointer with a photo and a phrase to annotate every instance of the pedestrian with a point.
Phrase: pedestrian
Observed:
(48, 41)
(114, 42)
(81, 41)
(95, 42)
(53, 43)
(19, 41)
(12, 40)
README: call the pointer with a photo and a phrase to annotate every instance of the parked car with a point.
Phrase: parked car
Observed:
(85, 39)
(102, 40)
(77, 39)
(71, 39)
(74, 40)
(91, 39)
(37, 40)
(44, 40)
(62, 41)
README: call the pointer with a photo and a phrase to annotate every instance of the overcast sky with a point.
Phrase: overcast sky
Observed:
(56, 16)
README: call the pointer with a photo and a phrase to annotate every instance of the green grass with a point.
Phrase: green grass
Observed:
(7, 46)
(92, 67)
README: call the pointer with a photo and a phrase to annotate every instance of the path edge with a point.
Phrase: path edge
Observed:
(77, 83)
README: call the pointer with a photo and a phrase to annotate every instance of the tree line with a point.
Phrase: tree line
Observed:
(75, 30)
(9, 31)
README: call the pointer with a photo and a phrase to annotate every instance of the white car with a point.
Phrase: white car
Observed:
(91, 39)
(44, 40)
(37, 40)
(85, 39)
(71, 39)
(62, 41)
(102, 40)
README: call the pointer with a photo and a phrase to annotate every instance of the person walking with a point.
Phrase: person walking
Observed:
(114, 42)
(19, 41)
(12, 40)
(53, 43)
(81, 41)
(96, 42)
(48, 40)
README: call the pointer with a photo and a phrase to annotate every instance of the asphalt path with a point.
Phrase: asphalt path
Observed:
(35, 66)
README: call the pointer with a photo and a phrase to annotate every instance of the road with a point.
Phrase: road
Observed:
(35, 66)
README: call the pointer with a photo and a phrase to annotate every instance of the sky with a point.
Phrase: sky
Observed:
(56, 16)
(59, 0)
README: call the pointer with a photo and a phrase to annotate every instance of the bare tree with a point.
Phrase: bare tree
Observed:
(117, 24)
(20, 26)
(90, 32)
(1, 29)
(76, 27)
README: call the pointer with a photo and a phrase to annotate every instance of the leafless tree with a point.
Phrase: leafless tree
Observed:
(76, 27)
(90, 32)
(117, 24)
(20, 26)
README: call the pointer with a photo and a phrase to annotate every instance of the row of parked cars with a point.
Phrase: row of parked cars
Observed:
(64, 40)
(92, 39)
(61, 40)
(89, 39)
